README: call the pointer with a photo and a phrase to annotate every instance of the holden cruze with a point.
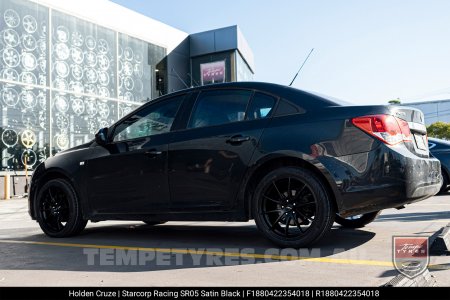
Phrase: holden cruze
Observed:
(290, 160)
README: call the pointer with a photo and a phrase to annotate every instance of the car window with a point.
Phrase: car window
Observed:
(285, 107)
(155, 119)
(261, 106)
(219, 107)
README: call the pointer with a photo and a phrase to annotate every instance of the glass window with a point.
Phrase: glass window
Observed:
(287, 108)
(137, 62)
(83, 56)
(23, 126)
(24, 121)
(152, 120)
(260, 107)
(219, 107)
(50, 103)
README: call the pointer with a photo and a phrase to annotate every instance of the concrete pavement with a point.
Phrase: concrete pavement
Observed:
(209, 253)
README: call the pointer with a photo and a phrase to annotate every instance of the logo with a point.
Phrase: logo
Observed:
(213, 72)
(410, 255)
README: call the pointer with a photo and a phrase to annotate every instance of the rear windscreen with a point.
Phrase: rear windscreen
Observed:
(332, 100)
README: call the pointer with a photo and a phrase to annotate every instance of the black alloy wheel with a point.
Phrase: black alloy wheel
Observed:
(292, 207)
(58, 210)
(357, 221)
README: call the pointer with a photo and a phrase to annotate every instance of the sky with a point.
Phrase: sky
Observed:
(365, 51)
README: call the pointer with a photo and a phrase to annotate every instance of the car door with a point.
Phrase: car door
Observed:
(208, 159)
(129, 175)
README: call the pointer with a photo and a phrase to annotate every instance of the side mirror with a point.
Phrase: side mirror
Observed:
(101, 137)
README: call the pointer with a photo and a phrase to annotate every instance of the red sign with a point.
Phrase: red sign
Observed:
(213, 72)
(410, 254)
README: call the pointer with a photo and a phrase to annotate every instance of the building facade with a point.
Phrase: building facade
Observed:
(68, 68)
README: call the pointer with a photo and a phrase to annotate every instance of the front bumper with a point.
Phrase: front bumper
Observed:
(31, 194)
(33, 189)
(387, 177)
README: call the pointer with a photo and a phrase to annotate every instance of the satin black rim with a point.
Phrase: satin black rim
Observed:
(288, 207)
(54, 209)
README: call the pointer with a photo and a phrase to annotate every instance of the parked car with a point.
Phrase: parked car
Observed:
(288, 159)
(441, 150)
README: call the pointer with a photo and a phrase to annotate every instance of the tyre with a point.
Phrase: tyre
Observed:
(151, 223)
(445, 182)
(357, 221)
(292, 207)
(58, 210)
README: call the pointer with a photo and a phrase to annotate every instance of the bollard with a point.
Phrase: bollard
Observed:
(26, 174)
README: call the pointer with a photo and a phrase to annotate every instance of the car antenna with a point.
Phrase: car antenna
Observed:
(301, 66)
(176, 73)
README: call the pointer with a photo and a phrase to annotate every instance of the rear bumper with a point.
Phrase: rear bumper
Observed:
(386, 177)
(424, 178)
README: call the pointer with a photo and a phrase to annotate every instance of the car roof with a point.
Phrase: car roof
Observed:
(299, 97)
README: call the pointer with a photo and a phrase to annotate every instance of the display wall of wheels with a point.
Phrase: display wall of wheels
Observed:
(23, 59)
(59, 85)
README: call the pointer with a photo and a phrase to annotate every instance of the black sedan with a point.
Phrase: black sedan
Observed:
(288, 159)
(441, 150)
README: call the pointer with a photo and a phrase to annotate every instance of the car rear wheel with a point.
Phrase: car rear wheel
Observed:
(58, 209)
(151, 223)
(357, 221)
(292, 208)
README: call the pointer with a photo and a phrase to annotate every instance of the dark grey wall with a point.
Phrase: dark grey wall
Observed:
(218, 40)
(221, 40)
(178, 66)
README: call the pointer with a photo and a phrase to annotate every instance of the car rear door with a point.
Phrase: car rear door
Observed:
(207, 160)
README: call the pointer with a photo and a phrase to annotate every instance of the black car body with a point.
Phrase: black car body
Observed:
(205, 154)
(441, 150)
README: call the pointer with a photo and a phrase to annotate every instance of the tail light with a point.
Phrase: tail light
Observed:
(388, 129)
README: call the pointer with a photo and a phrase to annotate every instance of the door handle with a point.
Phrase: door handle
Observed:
(237, 139)
(152, 153)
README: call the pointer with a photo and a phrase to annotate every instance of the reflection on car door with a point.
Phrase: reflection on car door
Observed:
(129, 175)
(208, 160)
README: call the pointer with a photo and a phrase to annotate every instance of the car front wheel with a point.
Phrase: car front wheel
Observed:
(292, 208)
(357, 221)
(58, 209)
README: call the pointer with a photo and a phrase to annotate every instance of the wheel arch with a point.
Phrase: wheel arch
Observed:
(445, 178)
(264, 166)
(49, 174)
(445, 171)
